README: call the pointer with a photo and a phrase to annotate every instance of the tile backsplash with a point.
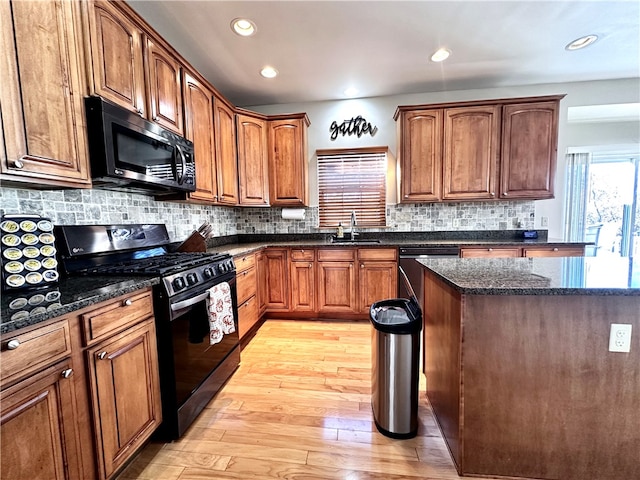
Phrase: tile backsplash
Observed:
(96, 206)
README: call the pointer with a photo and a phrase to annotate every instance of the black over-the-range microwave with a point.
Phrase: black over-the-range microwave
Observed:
(130, 153)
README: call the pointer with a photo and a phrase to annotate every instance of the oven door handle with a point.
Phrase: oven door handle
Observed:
(189, 302)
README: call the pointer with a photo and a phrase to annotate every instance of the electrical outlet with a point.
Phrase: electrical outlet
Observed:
(544, 221)
(620, 337)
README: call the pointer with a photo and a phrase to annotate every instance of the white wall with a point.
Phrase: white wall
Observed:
(380, 110)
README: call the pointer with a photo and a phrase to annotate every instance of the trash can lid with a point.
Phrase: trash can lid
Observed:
(396, 315)
(391, 315)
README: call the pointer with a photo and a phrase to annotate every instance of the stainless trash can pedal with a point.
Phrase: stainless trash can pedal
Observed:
(395, 348)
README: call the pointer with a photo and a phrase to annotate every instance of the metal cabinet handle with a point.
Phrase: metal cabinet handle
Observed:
(154, 118)
(67, 373)
(13, 344)
(362, 265)
(102, 355)
(490, 249)
(493, 194)
(406, 196)
(127, 302)
(311, 265)
(555, 249)
(504, 194)
(18, 164)
(140, 111)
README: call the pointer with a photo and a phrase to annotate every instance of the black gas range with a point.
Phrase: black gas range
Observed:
(192, 367)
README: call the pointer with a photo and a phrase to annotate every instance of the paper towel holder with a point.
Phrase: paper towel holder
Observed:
(293, 213)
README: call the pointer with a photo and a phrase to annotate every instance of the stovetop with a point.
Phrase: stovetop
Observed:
(159, 265)
(140, 249)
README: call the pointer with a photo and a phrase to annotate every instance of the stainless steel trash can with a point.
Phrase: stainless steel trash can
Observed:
(395, 350)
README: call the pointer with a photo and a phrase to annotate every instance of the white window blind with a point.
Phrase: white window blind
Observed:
(352, 180)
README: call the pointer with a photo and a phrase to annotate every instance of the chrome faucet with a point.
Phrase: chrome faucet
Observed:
(353, 224)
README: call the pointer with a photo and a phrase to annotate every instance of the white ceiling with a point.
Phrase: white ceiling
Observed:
(383, 47)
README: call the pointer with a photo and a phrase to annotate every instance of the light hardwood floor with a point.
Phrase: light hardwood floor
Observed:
(299, 407)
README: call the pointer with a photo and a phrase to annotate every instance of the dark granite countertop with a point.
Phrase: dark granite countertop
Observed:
(250, 243)
(29, 307)
(539, 276)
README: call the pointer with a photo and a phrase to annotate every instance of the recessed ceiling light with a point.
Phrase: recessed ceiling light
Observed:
(243, 27)
(581, 42)
(440, 55)
(351, 92)
(269, 72)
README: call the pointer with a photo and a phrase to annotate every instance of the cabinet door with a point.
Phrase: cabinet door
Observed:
(490, 252)
(41, 99)
(125, 394)
(277, 275)
(198, 102)
(529, 150)
(303, 286)
(420, 134)
(252, 161)
(571, 251)
(471, 136)
(288, 168)
(337, 287)
(262, 292)
(116, 51)
(38, 427)
(248, 316)
(164, 78)
(377, 281)
(226, 163)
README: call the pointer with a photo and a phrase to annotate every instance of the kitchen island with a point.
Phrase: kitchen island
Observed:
(518, 368)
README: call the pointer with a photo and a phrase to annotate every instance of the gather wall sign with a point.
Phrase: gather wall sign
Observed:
(353, 126)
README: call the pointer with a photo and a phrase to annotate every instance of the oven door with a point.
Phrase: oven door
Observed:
(194, 358)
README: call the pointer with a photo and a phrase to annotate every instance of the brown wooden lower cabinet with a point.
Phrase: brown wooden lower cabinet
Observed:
(80, 392)
(533, 251)
(303, 284)
(277, 279)
(38, 427)
(123, 374)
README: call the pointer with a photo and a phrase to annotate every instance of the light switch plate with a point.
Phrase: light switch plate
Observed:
(620, 337)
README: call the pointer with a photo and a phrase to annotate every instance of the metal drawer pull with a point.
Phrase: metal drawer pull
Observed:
(102, 355)
(13, 344)
(127, 302)
(67, 373)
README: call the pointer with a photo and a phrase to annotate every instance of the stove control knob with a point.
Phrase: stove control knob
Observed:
(179, 283)
(208, 272)
(230, 265)
(222, 267)
(192, 279)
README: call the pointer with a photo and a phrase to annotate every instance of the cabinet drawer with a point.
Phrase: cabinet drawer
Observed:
(490, 252)
(34, 350)
(244, 262)
(247, 316)
(246, 284)
(117, 315)
(303, 254)
(337, 255)
(389, 254)
(553, 252)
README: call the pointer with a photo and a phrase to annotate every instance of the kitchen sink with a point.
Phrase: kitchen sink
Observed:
(356, 241)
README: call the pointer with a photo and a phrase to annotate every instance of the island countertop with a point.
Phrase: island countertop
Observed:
(539, 276)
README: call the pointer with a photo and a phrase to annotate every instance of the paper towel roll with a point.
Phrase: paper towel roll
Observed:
(293, 213)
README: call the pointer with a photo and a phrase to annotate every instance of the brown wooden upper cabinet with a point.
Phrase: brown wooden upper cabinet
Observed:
(420, 137)
(479, 150)
(226, 153)
(43, 131)
(470, 153)
(288, 161)
(529, 149)
(253, 177)
(199, 128)
(132, 68)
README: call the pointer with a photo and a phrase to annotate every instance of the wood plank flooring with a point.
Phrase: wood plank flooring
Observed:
(299, 407)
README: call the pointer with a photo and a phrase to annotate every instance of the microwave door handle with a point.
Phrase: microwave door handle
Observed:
(189, 302)
(184, 165)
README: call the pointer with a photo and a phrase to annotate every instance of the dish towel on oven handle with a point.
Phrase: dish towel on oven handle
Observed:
(220, 310)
